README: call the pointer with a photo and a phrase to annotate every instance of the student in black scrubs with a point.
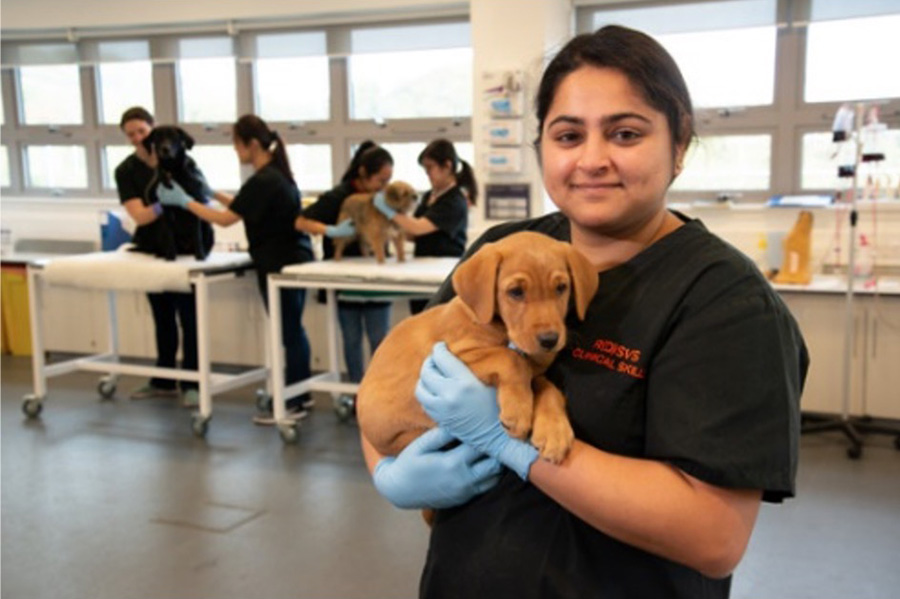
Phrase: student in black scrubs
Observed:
(682, 383)
(268, 202)
(370, 170)
(133, 176)
(439, 224)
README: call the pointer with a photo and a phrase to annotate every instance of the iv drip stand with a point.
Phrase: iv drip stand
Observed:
(852, 427)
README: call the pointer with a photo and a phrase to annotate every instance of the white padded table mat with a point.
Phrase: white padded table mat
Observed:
(356, 269)
(123, 270)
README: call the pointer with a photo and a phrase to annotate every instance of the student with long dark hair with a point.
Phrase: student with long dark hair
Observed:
(682, 383)
(268, 202)
(370, 170)
(439, 224)
(170, 309)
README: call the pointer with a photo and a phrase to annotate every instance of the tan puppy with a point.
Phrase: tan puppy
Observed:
(372, 227)
(514, 290)
(795, 267)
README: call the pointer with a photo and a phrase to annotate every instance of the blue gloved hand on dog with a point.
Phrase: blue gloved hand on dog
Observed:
(174, 196)
(345, 228)
(467, 409)
(425, 475)
(381, 204)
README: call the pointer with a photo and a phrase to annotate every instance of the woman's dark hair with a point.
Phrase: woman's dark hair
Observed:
(442, 151)
(639, 57)
(370, 157)
(136, 113)
(250, 127)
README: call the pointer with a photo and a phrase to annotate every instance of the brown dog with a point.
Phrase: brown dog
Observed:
(515, 290)
(372, 227)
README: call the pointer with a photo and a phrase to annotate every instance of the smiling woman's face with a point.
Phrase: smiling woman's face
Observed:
(606, 154)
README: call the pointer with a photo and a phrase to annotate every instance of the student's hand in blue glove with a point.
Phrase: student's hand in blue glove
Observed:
(176, 196)
(467, 409)
(381, 203)
(345, 228)
(424, 476)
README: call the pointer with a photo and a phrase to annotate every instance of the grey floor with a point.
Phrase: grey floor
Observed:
(119, 500)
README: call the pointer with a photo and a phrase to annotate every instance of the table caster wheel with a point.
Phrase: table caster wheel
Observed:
(345, 407)
(106, 387)
(290, 433)
(199, 425)
(854, 452)
(32, 406)
(263, 401)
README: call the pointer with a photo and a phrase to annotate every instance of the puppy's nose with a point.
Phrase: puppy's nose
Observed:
(548, 340)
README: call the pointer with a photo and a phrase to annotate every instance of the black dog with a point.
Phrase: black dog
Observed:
(176, 231)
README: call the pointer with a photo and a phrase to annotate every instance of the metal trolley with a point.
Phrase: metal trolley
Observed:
(183, 275)
(418, 276)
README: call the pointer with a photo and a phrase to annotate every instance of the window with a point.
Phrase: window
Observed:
(292, 77)
(410, 72)
(207, 81)
(727, 163)
(293, 89)
(311, 164)
(4, 167)
(124, 79)
(112, 157)
(845, 59)
(50, 94)
(406, 161)
(741, 70)
(297, 79)
(56, 167)
(220, 166)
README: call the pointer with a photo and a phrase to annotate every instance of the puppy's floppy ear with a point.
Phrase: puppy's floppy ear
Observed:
(187, 139)
(584, 280)
(148, 141)
(475, 282)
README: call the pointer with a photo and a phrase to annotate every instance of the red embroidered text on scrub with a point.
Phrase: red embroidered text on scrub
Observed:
(612, 355)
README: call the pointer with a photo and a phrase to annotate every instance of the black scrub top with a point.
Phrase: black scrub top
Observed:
(686, 356)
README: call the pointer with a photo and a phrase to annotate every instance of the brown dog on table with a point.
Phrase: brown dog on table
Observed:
(514, 291)
(372, 227)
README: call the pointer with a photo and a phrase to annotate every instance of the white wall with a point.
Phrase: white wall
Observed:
(530, 29)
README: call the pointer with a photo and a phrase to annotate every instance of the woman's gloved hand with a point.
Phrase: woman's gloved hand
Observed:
(425, 476)
(345, 228)
(176, 196)
(381, 204)
(467, 409)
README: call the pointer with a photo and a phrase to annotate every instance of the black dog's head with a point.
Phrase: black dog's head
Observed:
(170, 144)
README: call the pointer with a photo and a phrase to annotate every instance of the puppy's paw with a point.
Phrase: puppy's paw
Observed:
(553, 438)
(516, 411)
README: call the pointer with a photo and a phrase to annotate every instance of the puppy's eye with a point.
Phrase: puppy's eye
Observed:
(561, 288)
(516, 293)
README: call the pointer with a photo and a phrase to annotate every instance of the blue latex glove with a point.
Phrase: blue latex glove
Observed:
(381, 203)
(176, 196)
(467, 408)
(345, 228)
(423, 476)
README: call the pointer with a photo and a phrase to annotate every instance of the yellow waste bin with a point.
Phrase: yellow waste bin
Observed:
(16, 318)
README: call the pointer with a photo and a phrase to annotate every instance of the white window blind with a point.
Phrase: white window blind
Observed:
(410, 37)
(681, 18)
(830, 10)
